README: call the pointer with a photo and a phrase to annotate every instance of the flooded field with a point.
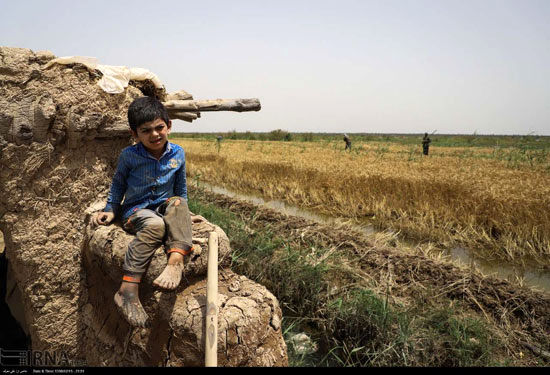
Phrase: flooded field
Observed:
(530, 275)
(492, 201)
(347, 289)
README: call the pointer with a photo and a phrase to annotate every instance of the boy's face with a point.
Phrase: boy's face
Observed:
(153, 135)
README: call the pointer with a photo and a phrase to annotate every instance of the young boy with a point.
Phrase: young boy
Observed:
(150, 176)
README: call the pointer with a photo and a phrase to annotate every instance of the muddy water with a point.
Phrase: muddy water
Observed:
(283, 207)
(531, 275)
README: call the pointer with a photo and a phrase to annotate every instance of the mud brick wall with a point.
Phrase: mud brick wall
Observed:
(60, 137)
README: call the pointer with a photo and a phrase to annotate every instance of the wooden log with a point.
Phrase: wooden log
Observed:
(179, 95)
(236, 105)
(179, 112)
(211, 341)
(185, 116)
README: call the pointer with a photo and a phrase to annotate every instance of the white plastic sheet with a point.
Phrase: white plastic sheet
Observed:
(115, 78)
(90, 62)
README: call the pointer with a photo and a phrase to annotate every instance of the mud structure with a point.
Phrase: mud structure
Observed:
(60, 136)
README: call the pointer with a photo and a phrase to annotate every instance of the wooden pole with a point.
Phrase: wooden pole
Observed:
(179, 95)
(211, 341)
(237, 105)
(185, 116)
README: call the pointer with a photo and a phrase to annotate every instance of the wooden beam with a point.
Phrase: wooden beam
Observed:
(185, 116)
(179, 95)
(236, 105)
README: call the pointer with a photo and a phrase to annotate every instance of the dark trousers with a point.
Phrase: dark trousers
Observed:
(169, 224)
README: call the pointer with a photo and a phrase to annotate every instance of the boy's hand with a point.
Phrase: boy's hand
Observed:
(103, 218)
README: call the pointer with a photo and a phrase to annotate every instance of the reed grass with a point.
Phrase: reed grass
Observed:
(355, 320)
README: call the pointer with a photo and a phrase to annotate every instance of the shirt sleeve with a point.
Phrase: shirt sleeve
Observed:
(118, 186)
(180, 183)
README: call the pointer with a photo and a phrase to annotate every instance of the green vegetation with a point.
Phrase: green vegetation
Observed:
(322, 295)
(274, 135)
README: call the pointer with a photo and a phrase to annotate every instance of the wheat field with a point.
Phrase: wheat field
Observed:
(495, 201)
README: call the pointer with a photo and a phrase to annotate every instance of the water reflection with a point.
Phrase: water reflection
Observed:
(285, 208)
(531, 275)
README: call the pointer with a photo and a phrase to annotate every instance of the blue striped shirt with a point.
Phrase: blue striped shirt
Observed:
(145, 182)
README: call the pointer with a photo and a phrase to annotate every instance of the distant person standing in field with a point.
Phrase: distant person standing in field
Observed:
(219, 140)
(426, 143)
(348, 142)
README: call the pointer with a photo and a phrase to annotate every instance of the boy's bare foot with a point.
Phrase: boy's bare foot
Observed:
(128, 304)
(171, 276)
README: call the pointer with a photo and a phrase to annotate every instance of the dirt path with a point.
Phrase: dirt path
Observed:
(521, 314)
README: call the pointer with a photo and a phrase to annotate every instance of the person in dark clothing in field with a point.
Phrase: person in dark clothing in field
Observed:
(426, 143)
(348, 142)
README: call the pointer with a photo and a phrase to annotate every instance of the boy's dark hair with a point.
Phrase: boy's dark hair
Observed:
(146, 109)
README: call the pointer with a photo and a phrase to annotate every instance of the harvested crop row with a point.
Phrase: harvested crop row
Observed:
(484, 204)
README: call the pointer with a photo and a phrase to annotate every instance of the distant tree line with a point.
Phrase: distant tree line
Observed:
(274, 135)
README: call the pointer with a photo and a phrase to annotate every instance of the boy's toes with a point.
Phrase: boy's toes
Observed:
(139, 317)
(164, 284)
(131, 310)
(159, 282)
(169, 278)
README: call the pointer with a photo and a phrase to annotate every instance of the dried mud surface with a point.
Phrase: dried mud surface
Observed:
(60, 137)
(521, 313)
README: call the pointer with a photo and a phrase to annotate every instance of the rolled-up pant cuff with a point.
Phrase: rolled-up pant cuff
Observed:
(132, 276)
(183, 246)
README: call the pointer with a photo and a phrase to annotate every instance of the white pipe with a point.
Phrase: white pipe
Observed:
(211, 341)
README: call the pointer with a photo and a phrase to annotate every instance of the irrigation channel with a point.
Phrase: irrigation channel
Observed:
(531, 275)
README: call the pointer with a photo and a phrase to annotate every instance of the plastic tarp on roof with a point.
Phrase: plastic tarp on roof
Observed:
(115, 78)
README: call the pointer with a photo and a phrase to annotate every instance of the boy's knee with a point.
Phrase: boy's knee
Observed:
(176, 201)
(156, 226)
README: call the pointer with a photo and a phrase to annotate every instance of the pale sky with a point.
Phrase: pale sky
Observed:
(382, 66)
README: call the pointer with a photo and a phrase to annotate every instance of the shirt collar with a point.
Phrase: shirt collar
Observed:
(143, 151)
